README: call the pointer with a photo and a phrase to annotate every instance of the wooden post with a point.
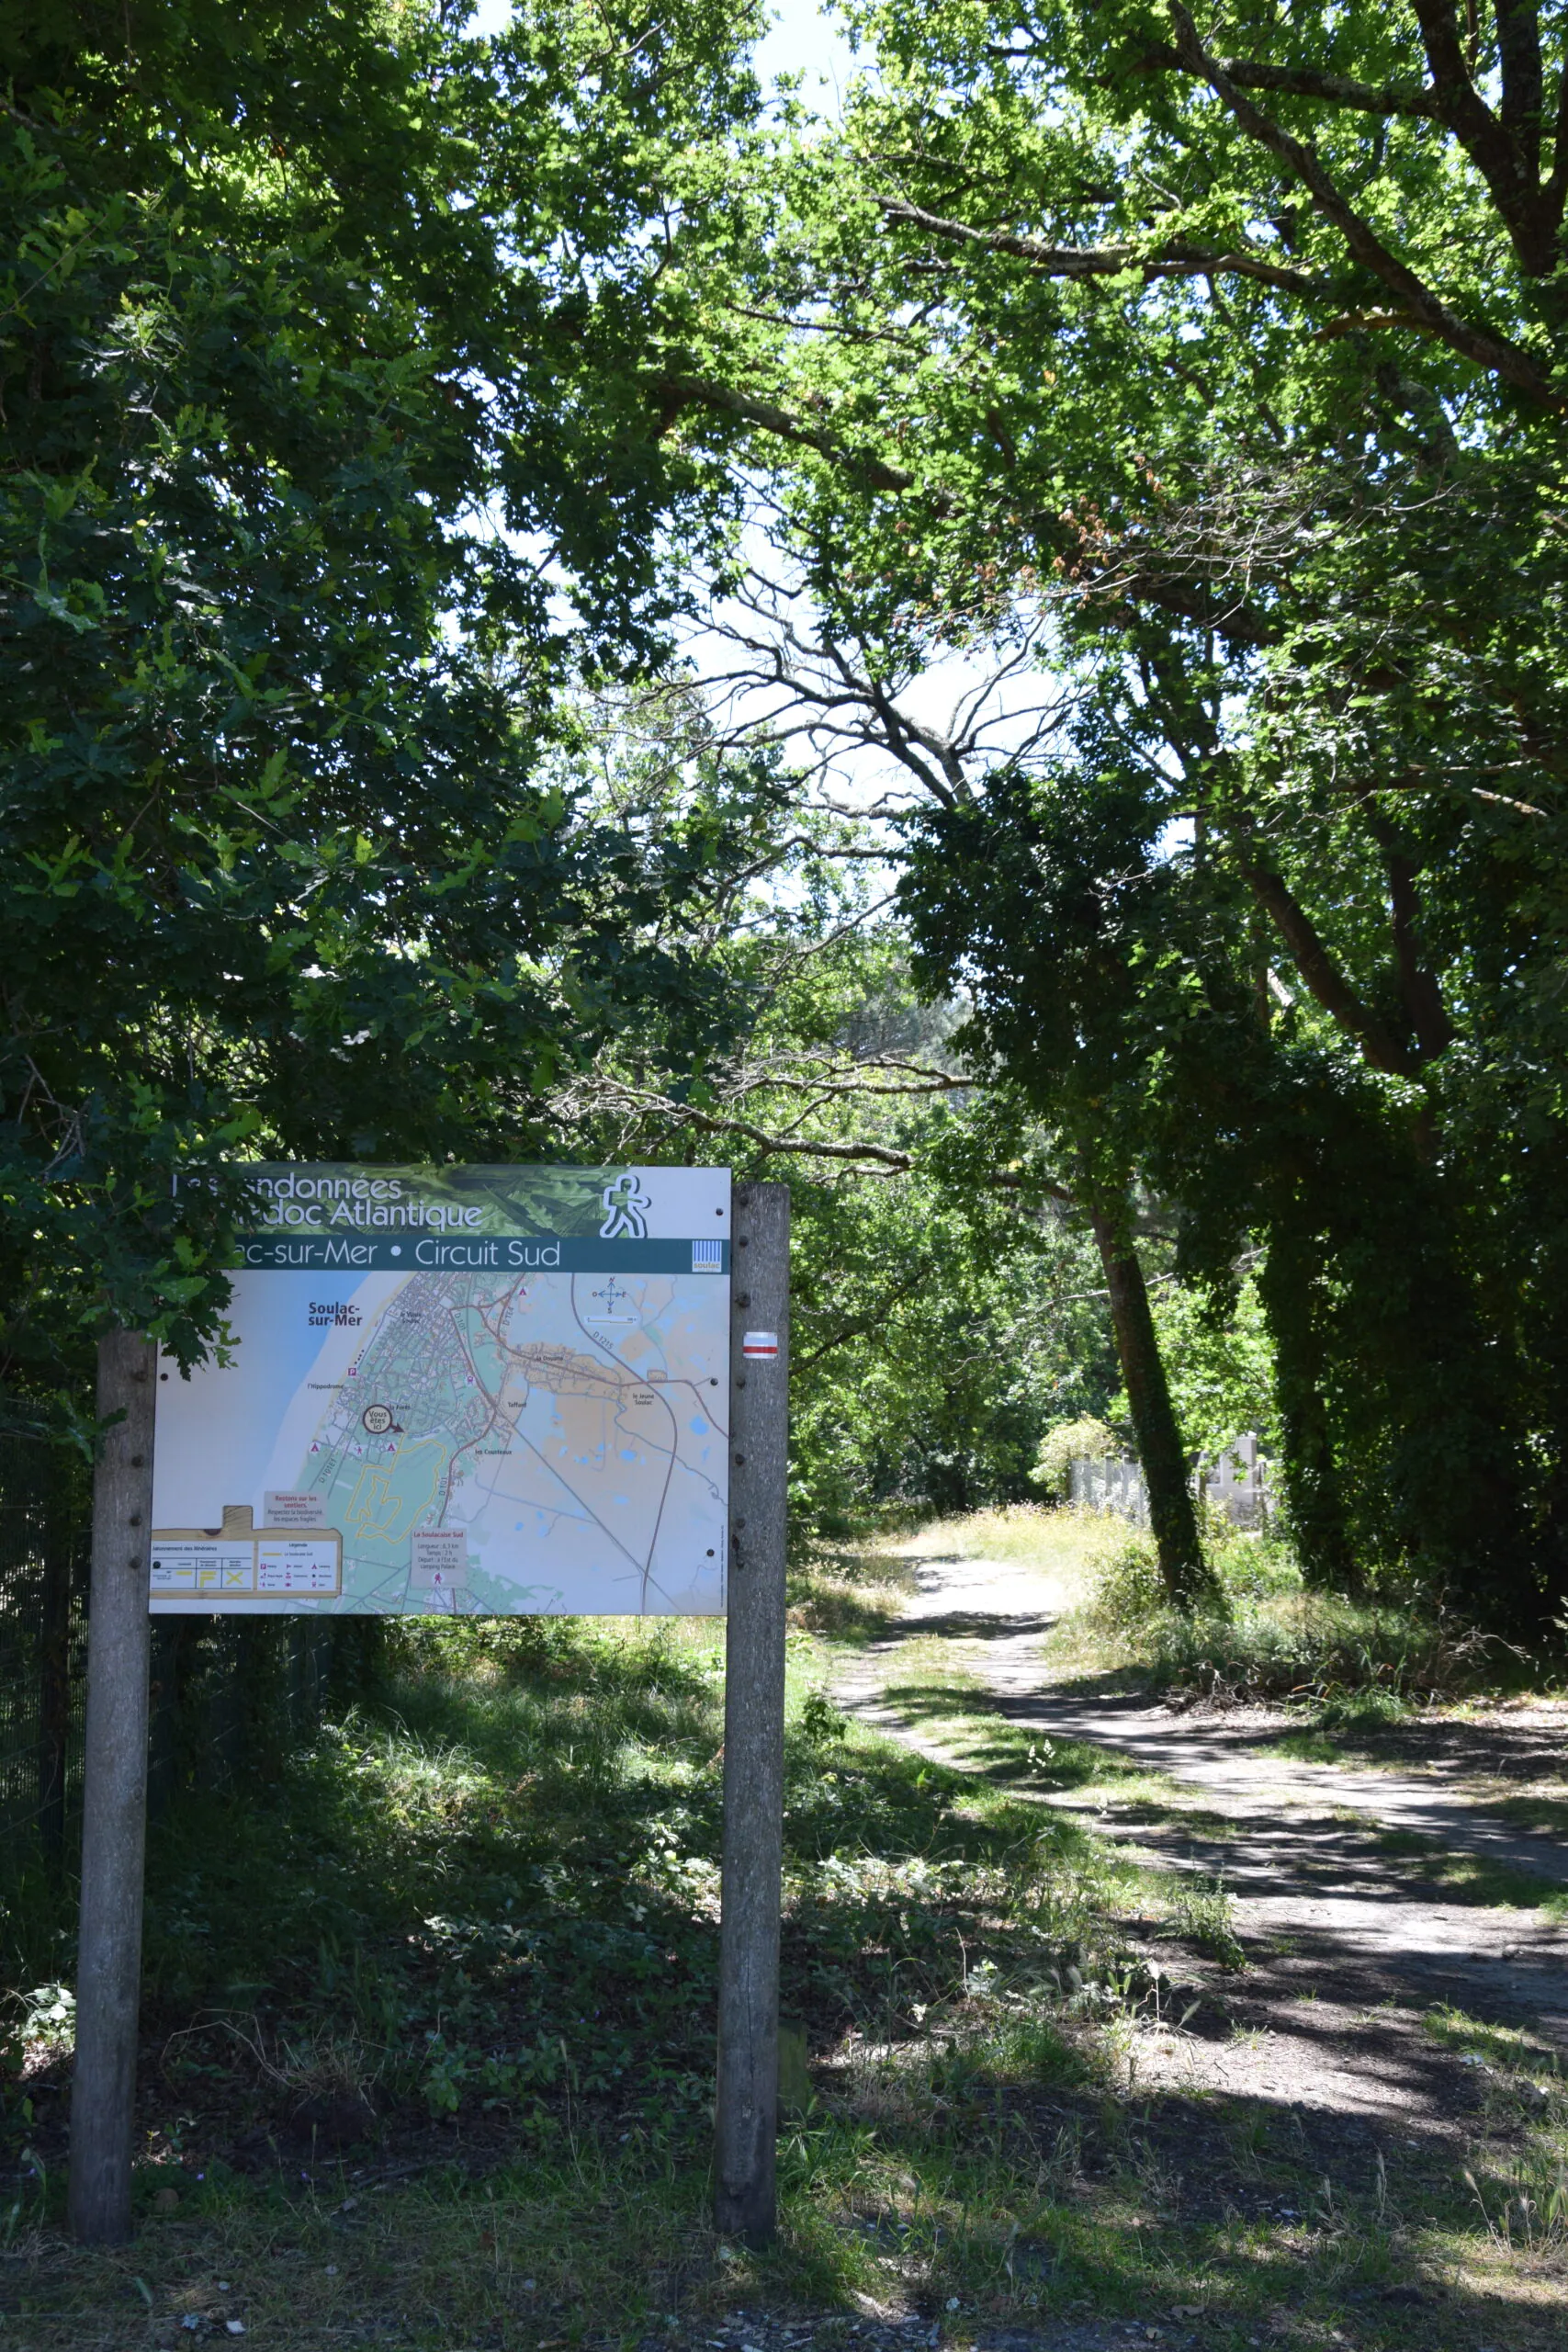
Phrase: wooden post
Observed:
(114, 1797)
(747, 2120)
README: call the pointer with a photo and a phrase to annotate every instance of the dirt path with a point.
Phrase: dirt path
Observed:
(1343, 1880)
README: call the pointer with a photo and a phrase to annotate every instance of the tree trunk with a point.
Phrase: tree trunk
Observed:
(1171, 1515)
(1314, 1504)
(114, 1798)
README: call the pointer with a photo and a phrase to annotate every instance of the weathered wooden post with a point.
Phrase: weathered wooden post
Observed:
(114, 1824)
(747, 2120)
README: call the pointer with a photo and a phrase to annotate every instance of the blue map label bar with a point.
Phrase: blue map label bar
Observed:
(468, 1253)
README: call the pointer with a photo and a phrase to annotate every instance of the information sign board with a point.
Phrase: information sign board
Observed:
(472, 1390)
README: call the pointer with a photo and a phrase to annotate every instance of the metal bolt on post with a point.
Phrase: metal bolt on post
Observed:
(114, 1823)
(747, 2116)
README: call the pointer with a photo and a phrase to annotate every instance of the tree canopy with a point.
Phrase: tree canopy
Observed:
(376, 397)
(325, 465)
(1220, 383)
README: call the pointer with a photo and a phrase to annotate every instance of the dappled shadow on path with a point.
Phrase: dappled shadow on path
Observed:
(1387, 1913)
(1364, 1898)
(501, 1886)
(965, 1625)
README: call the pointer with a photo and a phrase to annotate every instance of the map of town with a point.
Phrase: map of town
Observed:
(475, 1443)
(476, 1390)
(547, 1442)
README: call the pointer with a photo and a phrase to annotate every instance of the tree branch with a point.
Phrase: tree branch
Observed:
(1419, 988)
(862, 1324)
(1557, 185)
(643, 1102)
(1495, 354)
(673, 394)
(1323, 978)
(1506, 154)
(1370, 322)
(1302, 82)
(1518, 50)
(1175, 259)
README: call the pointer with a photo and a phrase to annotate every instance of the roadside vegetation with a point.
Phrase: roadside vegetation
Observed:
(1261, 1633)
(428, 2040)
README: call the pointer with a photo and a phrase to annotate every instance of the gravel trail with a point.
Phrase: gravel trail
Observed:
(1331, 1868)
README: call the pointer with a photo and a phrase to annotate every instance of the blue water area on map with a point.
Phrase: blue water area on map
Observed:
(216, 1431)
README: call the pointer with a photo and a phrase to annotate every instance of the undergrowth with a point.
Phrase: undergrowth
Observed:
(428, 2058)
(1262, 1634)
(497, 1894)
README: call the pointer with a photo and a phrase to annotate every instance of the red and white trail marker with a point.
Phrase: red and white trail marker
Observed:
(760, 1344)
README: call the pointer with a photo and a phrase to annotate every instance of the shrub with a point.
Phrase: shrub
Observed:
(1068, 1441)
(1205, 1915)
(1128, 1591)
(1262, 1637)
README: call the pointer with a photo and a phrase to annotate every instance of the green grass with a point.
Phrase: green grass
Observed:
(1205, 1913)
(1523, 2055)
(934, 1691)
(1035, 1535)
(1543, 1816)
(936, 1695)
(1354, 1666)
(1313, 1746)
(1473, 1878)
(847, 1596)
(989, 2185)
(486, 1910)
(1350, 1666)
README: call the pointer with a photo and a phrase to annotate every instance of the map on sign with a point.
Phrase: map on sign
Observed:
(478, 1391)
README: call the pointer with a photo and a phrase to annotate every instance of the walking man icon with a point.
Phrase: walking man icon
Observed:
(624, 1201)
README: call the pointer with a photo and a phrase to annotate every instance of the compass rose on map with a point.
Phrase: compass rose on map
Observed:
(610, 1293)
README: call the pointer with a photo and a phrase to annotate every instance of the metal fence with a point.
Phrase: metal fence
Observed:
(1237, 1484)
(1115, 1487)
(231, 1696)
